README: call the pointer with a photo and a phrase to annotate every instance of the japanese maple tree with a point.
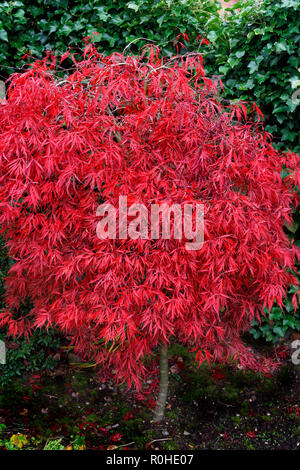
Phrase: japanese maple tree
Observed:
(156, 130)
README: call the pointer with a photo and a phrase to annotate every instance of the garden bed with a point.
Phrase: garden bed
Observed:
(218, 408)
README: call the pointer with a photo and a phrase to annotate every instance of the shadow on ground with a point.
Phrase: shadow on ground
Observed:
(218, 408)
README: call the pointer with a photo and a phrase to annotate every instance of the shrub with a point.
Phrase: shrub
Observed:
(152, 129)
(47, 24)
(25, 355)
(278, 321)
(256, 52)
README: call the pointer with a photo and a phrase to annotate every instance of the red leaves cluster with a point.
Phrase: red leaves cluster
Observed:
(155, 130)
(217, 375)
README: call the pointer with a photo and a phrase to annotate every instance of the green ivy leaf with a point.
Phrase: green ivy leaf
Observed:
(133, 6)
(3, 35)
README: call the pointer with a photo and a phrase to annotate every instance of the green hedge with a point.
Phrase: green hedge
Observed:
(45, 24)
(256, 52)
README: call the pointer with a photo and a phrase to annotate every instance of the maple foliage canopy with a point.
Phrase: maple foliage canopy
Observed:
(153, 129)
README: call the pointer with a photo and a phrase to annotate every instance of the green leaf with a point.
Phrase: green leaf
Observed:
(232, 61)
(160, 20)
(295, 82)
(3, 35)
(224, 69)
(133, 6)
(253, 67)
(66, 29)
(280, 47)
(19, 13)
(212, 36)
(280, 330)
(102, 14)
(255, 333)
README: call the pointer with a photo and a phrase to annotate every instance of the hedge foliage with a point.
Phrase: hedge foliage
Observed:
(25, 356)
(56, 24)
(278, 322)
(256, 51)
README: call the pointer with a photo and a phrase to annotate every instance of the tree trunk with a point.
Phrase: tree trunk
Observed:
(159, 411)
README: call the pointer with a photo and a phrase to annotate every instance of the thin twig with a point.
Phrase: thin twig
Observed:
(125, 445)
(159, 440)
